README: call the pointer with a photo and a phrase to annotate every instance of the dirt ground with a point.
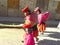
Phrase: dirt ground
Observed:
(14, 36)
(11, 36)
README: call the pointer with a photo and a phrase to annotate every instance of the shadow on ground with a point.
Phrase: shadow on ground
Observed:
(52, 23)
(48, 42)
(54, 34)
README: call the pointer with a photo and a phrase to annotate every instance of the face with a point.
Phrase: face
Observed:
(25, 13)
(36, 12)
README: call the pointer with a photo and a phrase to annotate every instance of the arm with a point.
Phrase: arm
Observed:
(40, 17)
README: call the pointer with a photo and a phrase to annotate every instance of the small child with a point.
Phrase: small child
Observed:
(42, 18)
(29, 38)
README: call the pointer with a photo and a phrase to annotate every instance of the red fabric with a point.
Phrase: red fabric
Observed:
(25, 9)
(32, 17)
(41, 27)
(28, 39)
(26, 26)
(46, 15)
(35, 33)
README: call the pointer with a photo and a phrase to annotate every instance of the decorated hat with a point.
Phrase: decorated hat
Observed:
(25, 9)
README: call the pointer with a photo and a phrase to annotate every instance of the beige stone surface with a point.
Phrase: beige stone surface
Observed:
(14, 36)
(10, 36)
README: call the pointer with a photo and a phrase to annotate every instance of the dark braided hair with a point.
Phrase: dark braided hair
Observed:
(29, 12)
(39, 10)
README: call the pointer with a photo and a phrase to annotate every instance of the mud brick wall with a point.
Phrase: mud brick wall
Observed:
(30, 3)
(23, 3)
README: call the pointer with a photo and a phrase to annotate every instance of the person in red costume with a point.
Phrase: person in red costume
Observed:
(27, 14)
(28, 37)
(42, 18)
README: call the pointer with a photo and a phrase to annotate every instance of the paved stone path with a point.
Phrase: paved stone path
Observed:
(50, 37)
(13, 36)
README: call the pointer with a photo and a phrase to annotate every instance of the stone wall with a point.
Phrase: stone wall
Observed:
(3, 7)
(30, 3)
(10, 12)
(52, 8)
(43, 4)
(23, 3)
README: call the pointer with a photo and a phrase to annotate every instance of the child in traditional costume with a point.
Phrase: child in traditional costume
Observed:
(29, 38)
(32, 23)
(42, 18)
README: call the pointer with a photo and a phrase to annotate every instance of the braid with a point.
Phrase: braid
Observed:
(29, 12)
(39, 10)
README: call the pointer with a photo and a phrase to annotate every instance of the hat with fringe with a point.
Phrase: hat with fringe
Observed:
(25, 9)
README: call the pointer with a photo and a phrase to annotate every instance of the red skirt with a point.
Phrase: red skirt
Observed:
(41, 27)
(35, 33)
